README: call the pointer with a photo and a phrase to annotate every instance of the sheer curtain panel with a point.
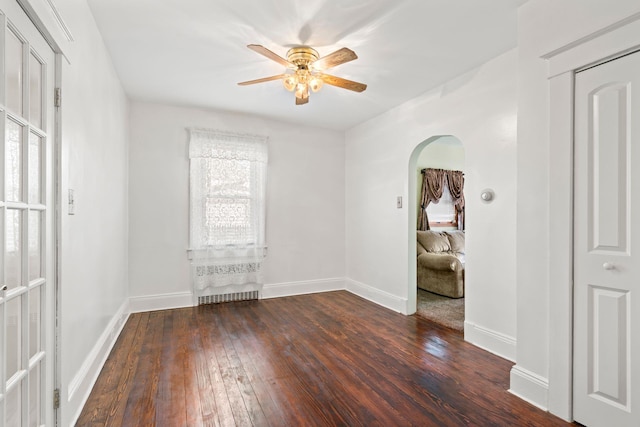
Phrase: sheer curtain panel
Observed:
(227, 210)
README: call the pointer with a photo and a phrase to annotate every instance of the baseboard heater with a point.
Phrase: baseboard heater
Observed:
(236, 296)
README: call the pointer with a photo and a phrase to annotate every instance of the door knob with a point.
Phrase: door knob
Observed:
(3, 288)
(608, 266)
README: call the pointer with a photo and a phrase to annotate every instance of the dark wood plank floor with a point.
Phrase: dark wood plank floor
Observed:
(311, 360)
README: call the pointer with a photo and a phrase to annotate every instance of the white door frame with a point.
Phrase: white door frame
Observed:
(606, 44)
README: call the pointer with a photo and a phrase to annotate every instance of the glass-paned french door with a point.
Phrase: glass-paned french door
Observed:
(26, 246)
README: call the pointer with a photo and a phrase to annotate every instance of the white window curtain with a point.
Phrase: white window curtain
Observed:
(227, 208)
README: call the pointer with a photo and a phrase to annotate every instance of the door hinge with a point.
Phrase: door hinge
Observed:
(56, 398)
(57, 97)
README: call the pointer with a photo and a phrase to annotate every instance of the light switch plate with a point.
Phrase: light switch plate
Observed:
(399, 202)
(72, 204)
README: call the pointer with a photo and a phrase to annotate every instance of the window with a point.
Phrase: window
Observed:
(229, 203)
(442, 196)
(443, 213)
(227, 207)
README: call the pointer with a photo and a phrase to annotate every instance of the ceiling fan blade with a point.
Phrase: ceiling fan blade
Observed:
(338, 57)
(343, 83)
(269, 54)
(262, 80)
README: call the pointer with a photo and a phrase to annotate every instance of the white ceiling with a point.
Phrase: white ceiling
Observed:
(193, 52)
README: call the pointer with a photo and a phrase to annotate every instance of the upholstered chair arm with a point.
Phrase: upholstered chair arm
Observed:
(420, 249)
(442, 262)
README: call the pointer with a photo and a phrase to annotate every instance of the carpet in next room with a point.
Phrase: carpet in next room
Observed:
(445, 311)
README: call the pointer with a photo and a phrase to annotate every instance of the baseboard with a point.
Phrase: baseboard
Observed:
(377, 296)
(82, 383)
(276, 290)
(529, 387)
(160, 302)
(492, 341)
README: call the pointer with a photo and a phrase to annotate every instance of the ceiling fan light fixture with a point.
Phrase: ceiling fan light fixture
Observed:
(290, 82)
(315, 84)
(302, 91)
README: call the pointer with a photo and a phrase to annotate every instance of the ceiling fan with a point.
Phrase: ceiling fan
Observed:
(305, 70)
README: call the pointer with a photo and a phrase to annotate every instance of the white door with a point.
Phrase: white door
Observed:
(26, 220)
(607, 245)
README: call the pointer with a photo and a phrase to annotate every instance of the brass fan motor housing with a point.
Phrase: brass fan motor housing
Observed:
(302, 56)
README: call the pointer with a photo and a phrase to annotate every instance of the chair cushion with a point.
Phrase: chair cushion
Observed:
(434, 241)
(456, 240)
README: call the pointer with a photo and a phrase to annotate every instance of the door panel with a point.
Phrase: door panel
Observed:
(608, 157)
(606, 251)
(27, 66)
(609, 342)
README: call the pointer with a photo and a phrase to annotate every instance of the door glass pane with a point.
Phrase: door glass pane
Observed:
(34, 321)
(13, 161)
(14, 406)
(14, 248)
(35, 163)
(14, 335)
(34, 396)
(34, 245)
(35, 91)
(14, 66)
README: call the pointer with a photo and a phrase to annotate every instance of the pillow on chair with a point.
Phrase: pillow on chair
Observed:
(434, 241)
(456, 240)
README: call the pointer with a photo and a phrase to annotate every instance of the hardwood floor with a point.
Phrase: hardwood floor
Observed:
(311, 360)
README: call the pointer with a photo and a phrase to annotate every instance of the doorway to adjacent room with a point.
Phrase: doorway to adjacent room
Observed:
(440, 231)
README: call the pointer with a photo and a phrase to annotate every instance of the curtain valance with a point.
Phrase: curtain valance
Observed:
(225, 145)
(433, 183)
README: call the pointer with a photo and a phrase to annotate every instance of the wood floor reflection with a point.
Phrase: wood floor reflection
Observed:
(311, 360)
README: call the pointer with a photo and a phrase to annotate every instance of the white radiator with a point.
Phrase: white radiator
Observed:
(236, 296)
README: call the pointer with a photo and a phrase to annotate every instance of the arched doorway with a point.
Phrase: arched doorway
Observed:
(438, 303)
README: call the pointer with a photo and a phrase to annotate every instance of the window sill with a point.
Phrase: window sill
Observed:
(201, 253)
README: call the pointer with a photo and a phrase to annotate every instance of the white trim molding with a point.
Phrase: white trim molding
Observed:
(491, 341)
(277, 290)
(377, 296)
(82, 383)
(603, 45)
(58, 18)
(561, 248)
(160, 302)
(48, 19)
(608, 43)
(529, 387)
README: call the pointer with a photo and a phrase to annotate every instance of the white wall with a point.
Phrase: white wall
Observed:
(445, 152)
(305, 202)
(94, 240)
(479, 109)
(543, 26)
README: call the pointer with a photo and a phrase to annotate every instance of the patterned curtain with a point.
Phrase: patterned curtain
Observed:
(455, 180)
(432, 187)
(227, 210)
